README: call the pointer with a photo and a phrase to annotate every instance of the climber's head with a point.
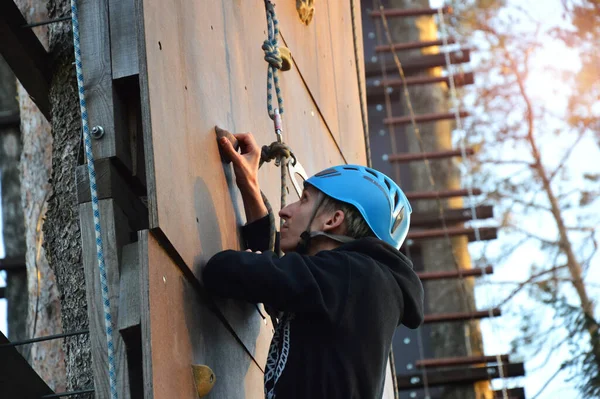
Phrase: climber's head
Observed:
(343, 203)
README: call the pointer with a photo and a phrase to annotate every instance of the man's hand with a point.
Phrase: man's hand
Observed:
(245, 166)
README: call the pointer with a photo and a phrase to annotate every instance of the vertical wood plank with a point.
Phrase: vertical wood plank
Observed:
(114, 234)
(123, 39)
(179, 330)
(129, 291)
(97, 73)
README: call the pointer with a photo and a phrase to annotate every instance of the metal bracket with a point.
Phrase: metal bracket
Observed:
(295, 168)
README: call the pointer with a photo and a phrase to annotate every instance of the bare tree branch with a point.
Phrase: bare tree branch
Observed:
(531, 279)
(557, 372)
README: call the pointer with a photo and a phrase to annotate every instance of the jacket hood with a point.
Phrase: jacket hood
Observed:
(401, 269)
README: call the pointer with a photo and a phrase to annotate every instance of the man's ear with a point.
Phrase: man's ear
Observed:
(334, 222)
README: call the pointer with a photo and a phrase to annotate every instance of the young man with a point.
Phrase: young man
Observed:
(343, 286)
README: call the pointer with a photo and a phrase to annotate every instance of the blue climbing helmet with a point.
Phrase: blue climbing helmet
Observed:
(378, 198)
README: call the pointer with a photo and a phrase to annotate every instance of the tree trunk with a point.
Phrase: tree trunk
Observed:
(61, 227)
(43, 313)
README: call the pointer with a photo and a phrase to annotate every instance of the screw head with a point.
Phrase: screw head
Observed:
(97, 132)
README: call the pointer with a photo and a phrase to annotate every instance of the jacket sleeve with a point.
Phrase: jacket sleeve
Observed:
(256, 234)
(294, 283)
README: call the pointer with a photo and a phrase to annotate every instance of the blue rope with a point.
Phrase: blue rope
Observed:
(95, 208)
(272, 56)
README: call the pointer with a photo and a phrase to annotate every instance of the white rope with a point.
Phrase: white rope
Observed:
(466, 170)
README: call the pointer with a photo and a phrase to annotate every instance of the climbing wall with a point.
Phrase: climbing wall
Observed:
(201, 65)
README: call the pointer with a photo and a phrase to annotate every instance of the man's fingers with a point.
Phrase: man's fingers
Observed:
(227, 147)
(247, 141)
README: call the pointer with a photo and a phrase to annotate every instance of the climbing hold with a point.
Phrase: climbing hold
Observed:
(306, 10)
(224, 133)
(204, 379)
(286, 58)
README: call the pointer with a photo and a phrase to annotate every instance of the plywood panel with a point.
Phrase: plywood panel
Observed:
(175, 335)
(324, 55)
(204, 68)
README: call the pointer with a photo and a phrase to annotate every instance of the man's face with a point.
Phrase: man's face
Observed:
(297, 216)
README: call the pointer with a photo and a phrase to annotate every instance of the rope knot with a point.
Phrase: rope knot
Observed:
(272, 55)
(277, 151)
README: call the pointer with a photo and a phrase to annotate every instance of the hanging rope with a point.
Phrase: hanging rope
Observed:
(95, 208)
(273, 58)
(465, 172)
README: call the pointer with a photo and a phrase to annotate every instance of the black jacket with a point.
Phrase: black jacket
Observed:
(342, 309)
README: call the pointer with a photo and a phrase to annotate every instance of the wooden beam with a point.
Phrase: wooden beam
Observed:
(111, 183)
(461, 316)
(462, 376)
(422, 118)
(421, 156)
(453, 215)
(485, 233)
(386, 48)
(411, 65)
(14, 263)
(429, 276)
(17, 378)
(459, 361)
(25, 55)
(428, 195)
(409, 12)
(2, 292)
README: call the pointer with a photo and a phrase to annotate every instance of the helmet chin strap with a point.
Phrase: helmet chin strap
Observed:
(307, 235)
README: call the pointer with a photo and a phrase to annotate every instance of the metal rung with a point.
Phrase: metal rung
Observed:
(460, 316)
(384, 48)
(459, 361)
(513, 393)
(405, 120)
(451, 215)
(462, 376)
(428, 195)
(70, 393)
(421, 156)
(417, 63)
(13, 263)
(485, 233)
(376, 93)
(409, 12)
(430, 276)
(41, 339)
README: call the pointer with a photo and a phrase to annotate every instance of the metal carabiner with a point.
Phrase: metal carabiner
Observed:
(295, 168)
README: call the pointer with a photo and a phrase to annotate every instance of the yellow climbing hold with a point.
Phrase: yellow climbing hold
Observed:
(286, 58)
(204, 379)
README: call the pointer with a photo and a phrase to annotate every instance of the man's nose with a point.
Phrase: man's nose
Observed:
(284, 213)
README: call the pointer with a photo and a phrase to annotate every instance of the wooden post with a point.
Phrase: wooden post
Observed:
(115, 234)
